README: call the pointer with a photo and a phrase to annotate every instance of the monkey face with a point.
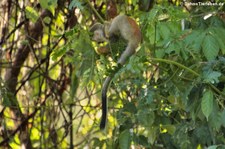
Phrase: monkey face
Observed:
(99, 36)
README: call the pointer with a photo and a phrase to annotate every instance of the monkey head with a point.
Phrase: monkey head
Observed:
(99, 31)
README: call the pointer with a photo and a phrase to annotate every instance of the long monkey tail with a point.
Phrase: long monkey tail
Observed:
(104, 101)
(130, 50)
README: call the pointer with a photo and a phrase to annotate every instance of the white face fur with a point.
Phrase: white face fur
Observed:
(99, 36)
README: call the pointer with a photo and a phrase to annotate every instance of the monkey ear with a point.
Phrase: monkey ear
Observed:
(96, 26)
(106, 29)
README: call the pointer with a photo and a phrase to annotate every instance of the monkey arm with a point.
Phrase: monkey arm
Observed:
(129, 51)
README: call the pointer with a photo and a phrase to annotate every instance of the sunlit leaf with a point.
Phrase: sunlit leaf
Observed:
(31, 14)
(59, 52)
(49, 4)
(169, 128)
(152, 134)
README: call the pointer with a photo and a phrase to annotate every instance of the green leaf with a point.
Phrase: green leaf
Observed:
(25, 42)
(125, 139)
(141, 140)
(49, 4)
(164, 31)
(207, 103)
(202, 133)
(59, 52)
(159, 53)
(215, 118)
(7, 96)
(74, 85)
(194, 40)
(31, 14)
(130, 107)
(210, 47)
(152, 134)
(169, 128)
(152, 16)
(213, 147)
(47, 20)
(75, 3)
(223, 118)
(146, 118)
(211, 76)
(97, 143)
(220, 37)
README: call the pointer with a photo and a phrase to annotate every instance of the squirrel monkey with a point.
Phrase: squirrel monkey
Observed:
(126, 27)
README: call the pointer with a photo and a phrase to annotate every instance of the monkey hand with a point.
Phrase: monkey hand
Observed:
(118, 66)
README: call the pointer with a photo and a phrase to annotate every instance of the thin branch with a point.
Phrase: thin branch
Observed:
(23, 123)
